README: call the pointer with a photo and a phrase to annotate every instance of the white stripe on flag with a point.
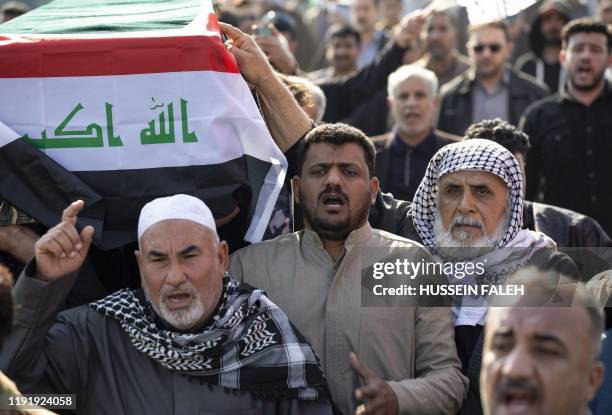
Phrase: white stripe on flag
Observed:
(7, 135)
(219, 110)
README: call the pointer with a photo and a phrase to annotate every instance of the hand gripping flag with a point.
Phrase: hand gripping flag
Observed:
(118, 103)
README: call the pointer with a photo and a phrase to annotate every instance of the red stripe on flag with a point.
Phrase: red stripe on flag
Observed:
(114, 56)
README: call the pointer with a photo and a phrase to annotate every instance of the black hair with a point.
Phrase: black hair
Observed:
(337, 134)
(586, 25)
(503, 133)
(344, 31)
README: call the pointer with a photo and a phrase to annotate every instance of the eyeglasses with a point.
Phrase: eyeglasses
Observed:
(480, 47)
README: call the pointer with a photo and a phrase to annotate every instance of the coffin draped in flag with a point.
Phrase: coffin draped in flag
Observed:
(121, 117)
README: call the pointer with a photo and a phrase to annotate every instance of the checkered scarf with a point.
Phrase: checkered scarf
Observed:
(512, 252)
(249, 344)
(475, 154)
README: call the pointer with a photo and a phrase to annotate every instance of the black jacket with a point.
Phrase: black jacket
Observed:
(383, 144)
(346, 94)
(456, 108)
(383, 151)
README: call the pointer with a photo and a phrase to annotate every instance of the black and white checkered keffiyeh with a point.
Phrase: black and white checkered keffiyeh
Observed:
(475, 154)
(249, 344)
(512, 252)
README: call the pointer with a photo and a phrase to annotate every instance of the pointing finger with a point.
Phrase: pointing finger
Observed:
(230, 31)
(358, 367)
(274, 30)
(70, 213)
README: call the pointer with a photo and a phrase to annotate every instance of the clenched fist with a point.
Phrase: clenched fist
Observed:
(62, 249)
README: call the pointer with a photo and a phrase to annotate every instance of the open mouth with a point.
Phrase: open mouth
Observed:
(584, 70)
(518, 401)
(178, 300)
(333, 200)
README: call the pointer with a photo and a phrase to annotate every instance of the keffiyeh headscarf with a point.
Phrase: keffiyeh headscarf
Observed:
(512, 251)
(249, 344)
(475, 154)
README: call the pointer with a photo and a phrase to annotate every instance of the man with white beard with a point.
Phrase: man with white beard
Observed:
(193, 340)
(469, 208)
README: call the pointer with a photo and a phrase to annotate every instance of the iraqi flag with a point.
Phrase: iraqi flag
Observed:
(118, 103)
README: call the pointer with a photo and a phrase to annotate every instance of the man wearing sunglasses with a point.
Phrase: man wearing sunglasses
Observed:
(490, 88)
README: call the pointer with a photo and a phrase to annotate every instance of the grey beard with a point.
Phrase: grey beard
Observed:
(460, 249)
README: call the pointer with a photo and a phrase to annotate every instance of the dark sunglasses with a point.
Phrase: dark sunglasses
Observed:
(494, 47)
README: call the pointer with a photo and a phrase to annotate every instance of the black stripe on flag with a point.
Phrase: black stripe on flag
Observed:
(37, 185)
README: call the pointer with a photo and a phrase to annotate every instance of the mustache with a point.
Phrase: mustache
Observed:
(184, 288)
(466, 220)
(508, 385)
(333, 192)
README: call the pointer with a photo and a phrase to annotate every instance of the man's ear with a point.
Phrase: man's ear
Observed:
(562, 56)
(222, 252)
(389, 103)
(295, 186)
(374, 186)
(595, 378)
(138, 257)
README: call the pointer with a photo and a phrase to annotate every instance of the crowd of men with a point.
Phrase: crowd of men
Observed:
(410, 137)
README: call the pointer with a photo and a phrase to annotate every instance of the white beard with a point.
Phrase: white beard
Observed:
(462, 247)
(182, 319)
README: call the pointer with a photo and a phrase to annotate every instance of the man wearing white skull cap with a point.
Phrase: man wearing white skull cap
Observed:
(192, 340)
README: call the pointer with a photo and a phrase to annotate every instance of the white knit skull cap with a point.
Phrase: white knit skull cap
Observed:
(175, 207)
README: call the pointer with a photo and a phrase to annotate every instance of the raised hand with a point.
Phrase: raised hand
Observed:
(252, 62)
(377, 396)
(276, 49)
(62, 249)
(408, 30)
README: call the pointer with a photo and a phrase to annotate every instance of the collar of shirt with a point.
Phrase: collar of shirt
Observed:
(471, 76)
(564, 94)
(504, 84)
(427, 145)
(355, 237)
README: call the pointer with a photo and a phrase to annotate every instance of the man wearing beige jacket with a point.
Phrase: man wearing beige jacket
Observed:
(400, 358)
(395, 355)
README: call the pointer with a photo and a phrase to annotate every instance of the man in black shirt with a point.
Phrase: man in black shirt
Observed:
(571, 131)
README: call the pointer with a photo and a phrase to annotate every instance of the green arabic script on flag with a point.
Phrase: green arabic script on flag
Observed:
(92, 135)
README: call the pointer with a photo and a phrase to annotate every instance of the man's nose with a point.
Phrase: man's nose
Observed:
(411, 100)
(518, 364)
(467, 203)
(176, 275)
(486, 53)
(333, 177)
